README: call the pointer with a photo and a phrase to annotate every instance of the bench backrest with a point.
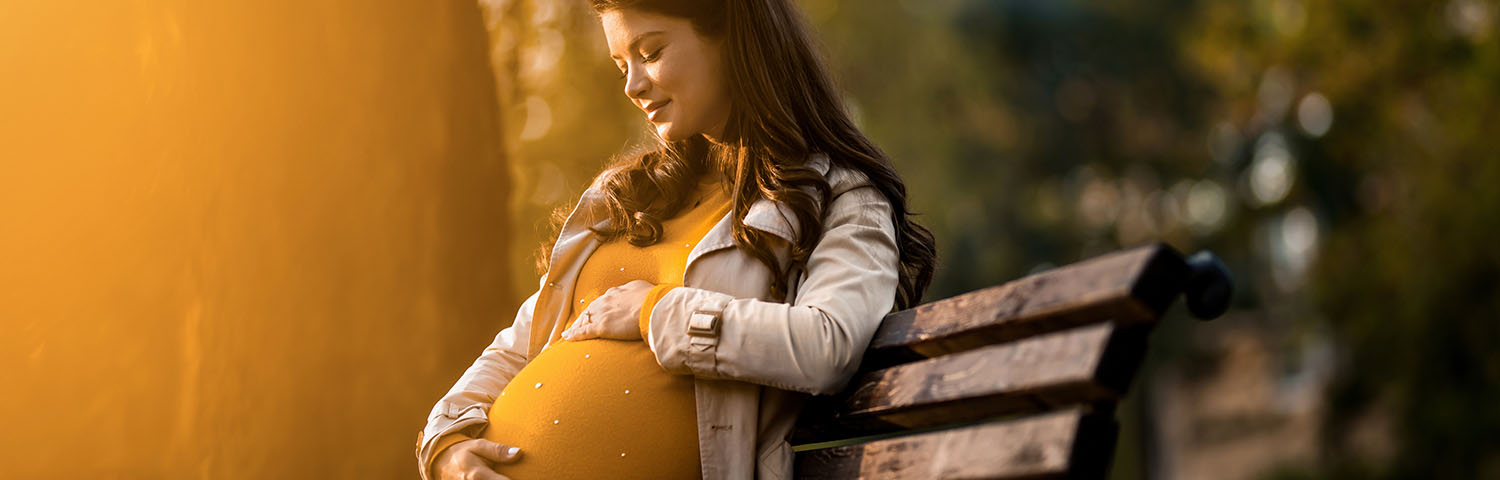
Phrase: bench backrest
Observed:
(1013, 381)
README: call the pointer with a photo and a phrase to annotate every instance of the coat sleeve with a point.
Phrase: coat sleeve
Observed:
(812, 345)
(466, 405)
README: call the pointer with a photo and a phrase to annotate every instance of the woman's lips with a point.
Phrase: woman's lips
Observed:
(655, 109)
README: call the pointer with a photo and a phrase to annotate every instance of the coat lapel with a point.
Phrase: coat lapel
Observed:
(765, 215)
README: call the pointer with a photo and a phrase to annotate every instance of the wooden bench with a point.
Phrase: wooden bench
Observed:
(1014, 381)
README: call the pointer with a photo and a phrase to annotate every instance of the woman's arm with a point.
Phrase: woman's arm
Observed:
(464, 408)
(813, 345)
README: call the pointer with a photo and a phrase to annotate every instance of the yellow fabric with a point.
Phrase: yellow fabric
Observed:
(652, 297)
(604, 408)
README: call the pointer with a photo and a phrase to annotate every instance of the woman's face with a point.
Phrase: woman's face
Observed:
(671, 73)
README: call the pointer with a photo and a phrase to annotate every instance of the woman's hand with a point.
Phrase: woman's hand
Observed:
(474, 459)
(615, 314)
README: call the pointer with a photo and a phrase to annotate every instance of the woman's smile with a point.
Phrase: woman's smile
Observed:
(654, 109)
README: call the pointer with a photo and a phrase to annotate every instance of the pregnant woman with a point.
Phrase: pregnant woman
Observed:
(699, 291)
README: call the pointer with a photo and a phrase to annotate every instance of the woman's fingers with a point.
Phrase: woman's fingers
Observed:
(474, 459)
(580, 327)
(496, 452)
(614, 314)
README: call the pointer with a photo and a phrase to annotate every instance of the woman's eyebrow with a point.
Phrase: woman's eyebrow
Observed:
(636, 41)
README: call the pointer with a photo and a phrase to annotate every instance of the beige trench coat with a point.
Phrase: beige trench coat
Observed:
(754, 359)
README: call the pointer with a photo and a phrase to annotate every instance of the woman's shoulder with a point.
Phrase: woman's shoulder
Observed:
(839, 177)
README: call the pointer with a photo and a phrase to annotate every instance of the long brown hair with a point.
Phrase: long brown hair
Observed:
(779, 116)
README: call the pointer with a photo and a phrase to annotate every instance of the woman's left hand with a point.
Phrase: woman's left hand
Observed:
(615, 314)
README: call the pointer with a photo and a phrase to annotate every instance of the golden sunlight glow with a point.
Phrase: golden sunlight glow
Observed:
(233, 233)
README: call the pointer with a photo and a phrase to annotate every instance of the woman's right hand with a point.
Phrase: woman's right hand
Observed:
(474, 459)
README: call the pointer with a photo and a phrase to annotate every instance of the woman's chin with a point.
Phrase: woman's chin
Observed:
(666, 132)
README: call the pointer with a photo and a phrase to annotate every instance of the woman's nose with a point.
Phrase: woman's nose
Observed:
(636, 83)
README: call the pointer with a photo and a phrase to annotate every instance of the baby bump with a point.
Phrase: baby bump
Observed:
(597, 409)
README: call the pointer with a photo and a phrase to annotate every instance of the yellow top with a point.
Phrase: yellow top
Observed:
(604, 408)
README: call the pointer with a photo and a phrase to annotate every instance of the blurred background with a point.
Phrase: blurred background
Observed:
(260, 240)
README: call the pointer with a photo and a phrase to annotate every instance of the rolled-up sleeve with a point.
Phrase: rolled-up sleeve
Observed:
(812, 345)
(464, 408)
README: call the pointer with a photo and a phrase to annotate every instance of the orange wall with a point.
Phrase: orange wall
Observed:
(242, 239)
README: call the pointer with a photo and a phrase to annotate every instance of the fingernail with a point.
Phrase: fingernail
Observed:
(512, 451)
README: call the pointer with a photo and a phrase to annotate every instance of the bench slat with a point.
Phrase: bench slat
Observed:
(1084, 365)
(1064, 444)
(1130, 286)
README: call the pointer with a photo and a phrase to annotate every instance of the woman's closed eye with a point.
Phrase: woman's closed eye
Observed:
(646, 57)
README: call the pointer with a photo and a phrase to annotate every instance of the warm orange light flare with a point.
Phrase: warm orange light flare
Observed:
(242, 239)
